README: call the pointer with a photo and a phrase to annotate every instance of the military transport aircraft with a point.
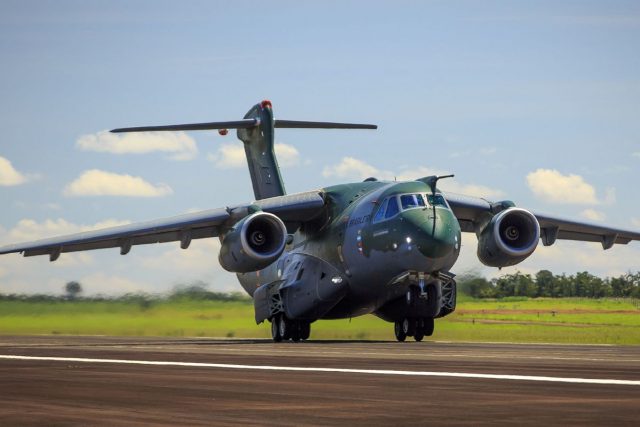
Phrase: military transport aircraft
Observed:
(378, 247)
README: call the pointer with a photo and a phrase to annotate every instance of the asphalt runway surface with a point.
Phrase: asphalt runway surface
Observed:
(58, 380)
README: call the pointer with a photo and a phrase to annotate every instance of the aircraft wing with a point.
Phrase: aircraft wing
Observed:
(472, 210)
(291, 209)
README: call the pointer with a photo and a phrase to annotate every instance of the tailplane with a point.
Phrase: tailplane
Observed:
(256, 131)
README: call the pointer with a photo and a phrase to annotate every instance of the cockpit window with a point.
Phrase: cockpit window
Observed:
(392, 207)
(436, 200)
(380, 214)
(409, 201)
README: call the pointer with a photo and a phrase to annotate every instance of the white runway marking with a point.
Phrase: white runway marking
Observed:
(337, 370)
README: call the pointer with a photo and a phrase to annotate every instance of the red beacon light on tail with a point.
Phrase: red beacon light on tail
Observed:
(266, 103)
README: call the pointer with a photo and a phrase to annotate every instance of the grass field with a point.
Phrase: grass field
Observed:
(603, 321)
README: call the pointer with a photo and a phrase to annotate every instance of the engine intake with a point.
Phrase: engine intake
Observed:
(253, 243)
(509, 238)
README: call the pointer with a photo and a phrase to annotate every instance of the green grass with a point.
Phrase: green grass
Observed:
(604, 321)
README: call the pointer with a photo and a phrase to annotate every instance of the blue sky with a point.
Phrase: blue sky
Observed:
(534, 102)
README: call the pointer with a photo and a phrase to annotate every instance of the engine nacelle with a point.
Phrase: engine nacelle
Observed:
(253, 243)
(509, 238)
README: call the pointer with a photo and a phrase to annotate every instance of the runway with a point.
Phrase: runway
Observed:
(106, 381)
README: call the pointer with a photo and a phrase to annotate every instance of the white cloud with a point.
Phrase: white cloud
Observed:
(352, 168)
(100, 183)
(288, 155)
(179, 145)
(635, 222)
(555, 187)
(9, 176)
(593, 215)
(231, 156)
(636, 154)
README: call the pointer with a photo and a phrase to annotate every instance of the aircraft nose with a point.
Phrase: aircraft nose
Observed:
(436, 237)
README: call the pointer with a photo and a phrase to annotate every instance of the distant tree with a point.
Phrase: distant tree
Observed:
(545, 282)
(73, 288)
(525, 286)
(476, 286)
(518, 284)
(564, 286)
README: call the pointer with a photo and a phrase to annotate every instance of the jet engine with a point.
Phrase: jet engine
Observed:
(253, 243)
(509, 238)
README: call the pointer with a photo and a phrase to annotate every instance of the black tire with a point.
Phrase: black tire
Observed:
(427, 326)
(419, 330)
(408, 327)
(275, 330)
(295, 331)
(284, 325)
(305, 330)
(400, 335)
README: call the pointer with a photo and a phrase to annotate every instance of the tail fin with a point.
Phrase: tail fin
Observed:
(256, 131)
(259, 148)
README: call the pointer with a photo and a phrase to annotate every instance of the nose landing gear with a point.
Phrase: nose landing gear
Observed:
(287, 329)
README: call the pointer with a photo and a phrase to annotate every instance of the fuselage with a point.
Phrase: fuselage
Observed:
(373, 232)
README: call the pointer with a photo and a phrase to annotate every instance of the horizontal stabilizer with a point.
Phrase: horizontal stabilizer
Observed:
(294, 124)
(246, 124)
(237, 124)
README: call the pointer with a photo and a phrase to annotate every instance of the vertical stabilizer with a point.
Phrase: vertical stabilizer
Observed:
(259, 148)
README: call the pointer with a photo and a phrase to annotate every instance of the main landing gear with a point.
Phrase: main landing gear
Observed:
(287, 329)
(417, 328)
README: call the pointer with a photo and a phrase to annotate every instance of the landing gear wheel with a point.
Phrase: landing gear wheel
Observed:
(408, 327)
(427, 326)
(400, 335)
(275, 330)
(295, 333)
(305, 330)
(419, 335)
(285, 326)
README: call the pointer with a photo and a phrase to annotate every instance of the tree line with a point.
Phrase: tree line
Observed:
(546, 284)
(74, 292)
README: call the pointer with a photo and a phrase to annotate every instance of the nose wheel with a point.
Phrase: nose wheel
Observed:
(417, 328)
(283, 329)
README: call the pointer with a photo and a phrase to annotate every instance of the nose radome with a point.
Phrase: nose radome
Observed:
(434, 242)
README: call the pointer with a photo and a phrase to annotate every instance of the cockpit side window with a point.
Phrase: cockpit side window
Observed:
(380, 214)
(409, 201)
(436, 200)
(392, 207)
